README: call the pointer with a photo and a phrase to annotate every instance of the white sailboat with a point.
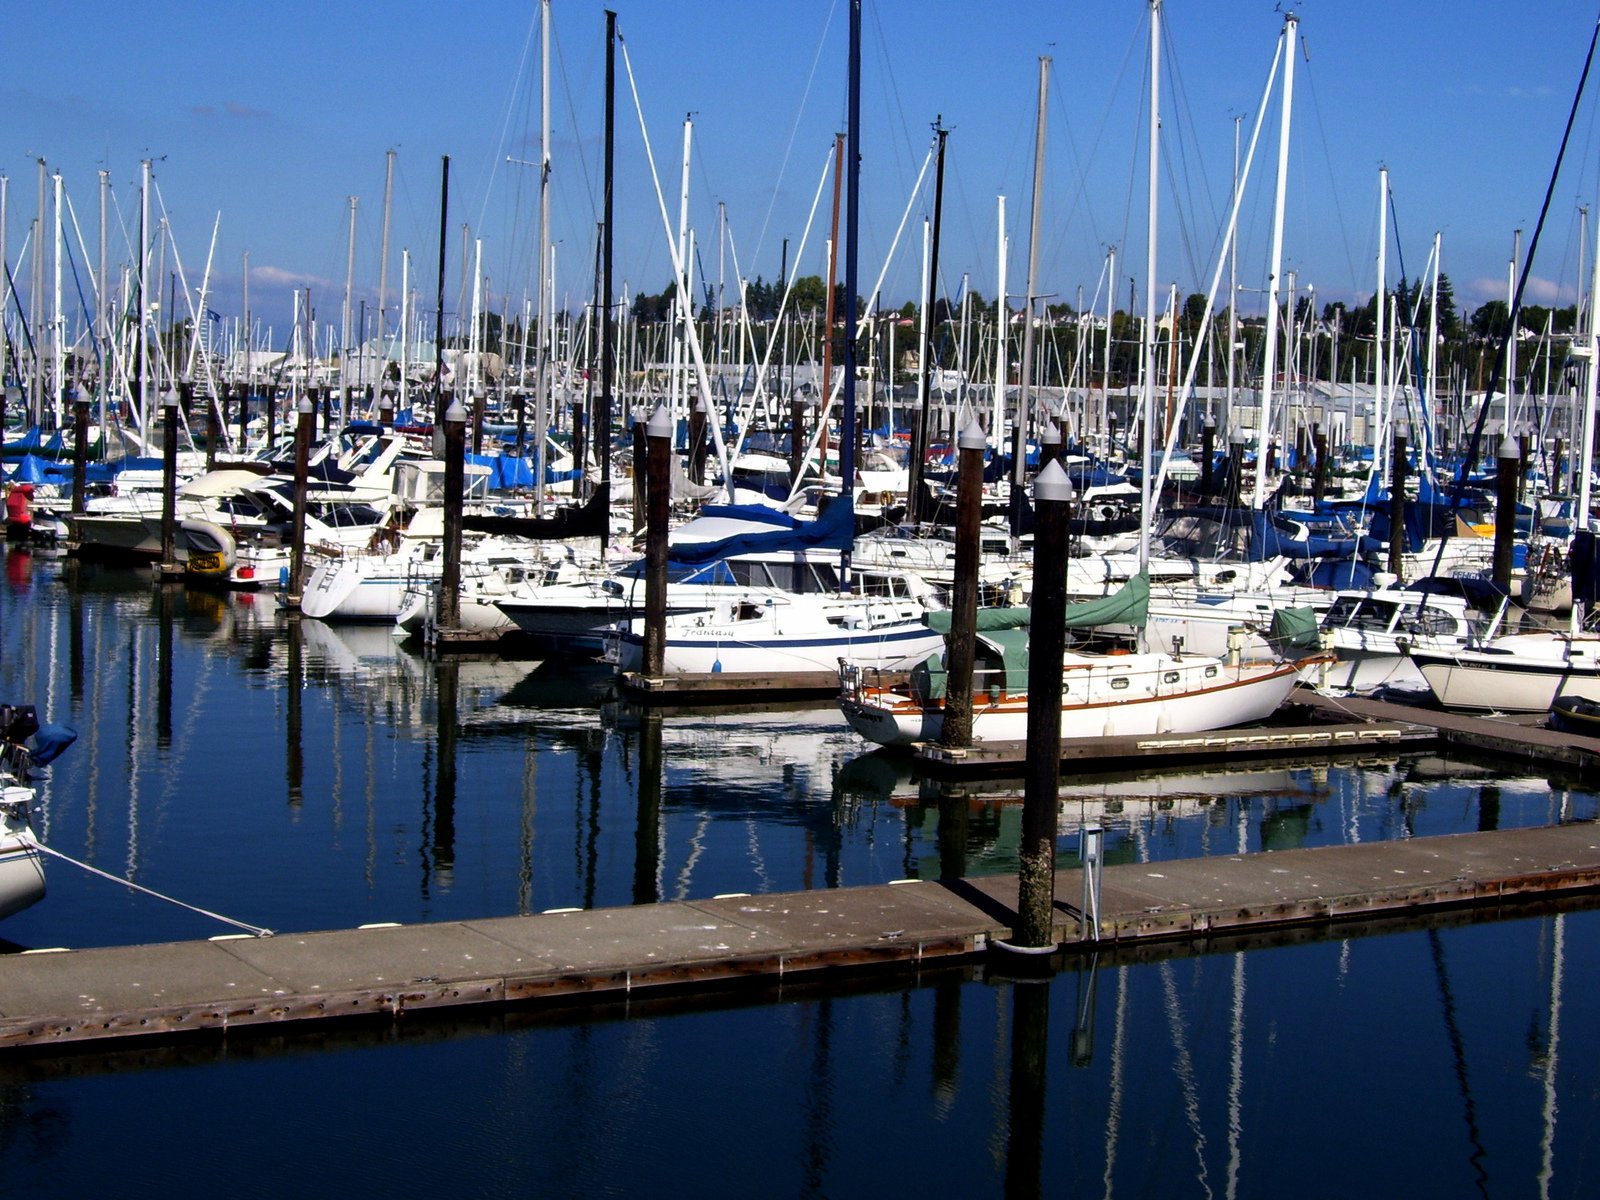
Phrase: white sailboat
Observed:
(1103, 694)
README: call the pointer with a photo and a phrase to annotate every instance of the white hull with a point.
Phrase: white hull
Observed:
(723, 647)
(1103, 696)
(21, 863)
(1517, 673)
(363, 588)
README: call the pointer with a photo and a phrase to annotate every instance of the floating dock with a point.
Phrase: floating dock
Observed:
(64, 999)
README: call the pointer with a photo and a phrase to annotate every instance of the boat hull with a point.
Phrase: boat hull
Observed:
(1488, 682)
(1092, 704)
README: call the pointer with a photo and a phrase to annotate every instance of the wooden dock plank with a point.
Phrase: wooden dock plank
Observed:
(114, 992)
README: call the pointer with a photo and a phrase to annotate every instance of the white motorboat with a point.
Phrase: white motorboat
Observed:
(1518, 672)
(881, 624)
(21, 861)
(1373, 634)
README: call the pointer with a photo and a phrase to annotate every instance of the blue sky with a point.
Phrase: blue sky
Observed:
(272, 115)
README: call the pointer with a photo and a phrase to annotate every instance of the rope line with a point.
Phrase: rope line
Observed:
(138, 887)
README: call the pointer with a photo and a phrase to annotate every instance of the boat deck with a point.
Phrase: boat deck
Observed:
(69, 998)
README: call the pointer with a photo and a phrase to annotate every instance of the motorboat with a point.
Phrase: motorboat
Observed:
(1517, 672)
(880, 623)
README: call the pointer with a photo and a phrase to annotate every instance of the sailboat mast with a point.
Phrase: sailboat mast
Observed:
(144, 298)
(344, 316)
(847, 428)
(919, 440)
(1019, 435)
(600, 422)
(58, 323)
(541, 359)
(1275, 267)
(1381, 326)
(997, 419)
(383, 272)
(1590, 387)
(1147, 346)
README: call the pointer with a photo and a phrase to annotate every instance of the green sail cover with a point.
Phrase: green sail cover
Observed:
(1128, 606)
(1295, 628)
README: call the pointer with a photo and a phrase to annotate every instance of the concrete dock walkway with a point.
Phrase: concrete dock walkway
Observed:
(68, 998)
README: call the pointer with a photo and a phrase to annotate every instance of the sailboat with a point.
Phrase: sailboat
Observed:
(1103, 694)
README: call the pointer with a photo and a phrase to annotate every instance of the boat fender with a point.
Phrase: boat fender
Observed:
(201, 534)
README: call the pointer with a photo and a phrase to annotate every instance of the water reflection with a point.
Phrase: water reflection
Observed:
(482, 785)
(1349, 1071)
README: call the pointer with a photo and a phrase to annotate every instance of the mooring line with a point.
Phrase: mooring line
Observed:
(255, 930)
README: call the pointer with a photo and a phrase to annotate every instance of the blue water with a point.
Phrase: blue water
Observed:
(303, 783)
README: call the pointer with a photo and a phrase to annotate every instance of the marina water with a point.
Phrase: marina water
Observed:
(301, 776)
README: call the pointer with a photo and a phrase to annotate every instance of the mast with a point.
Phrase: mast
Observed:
(102, 307)
(1276, 263)
(600, 422)
(997, 416)
(383, 272)
(58, 324)
(35, 303)
(344, 320)
(1148, 338)
(144, 299)
(438, 316)
(828, 305)
(1019, 435)
(847, 429)
(1233, 285)
(919, 439)
(1381, 328)
(541, 361)
(404, 399)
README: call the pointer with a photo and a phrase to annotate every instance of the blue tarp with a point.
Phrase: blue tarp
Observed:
(834, 530)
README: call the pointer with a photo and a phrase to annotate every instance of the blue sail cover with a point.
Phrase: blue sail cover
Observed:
(834, 529)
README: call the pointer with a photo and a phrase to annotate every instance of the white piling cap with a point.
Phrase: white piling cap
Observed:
(660, 425)
(1052, 483)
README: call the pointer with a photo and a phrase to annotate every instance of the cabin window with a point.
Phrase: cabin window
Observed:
(1170, 677)
(1119, 683)
(1210, 671)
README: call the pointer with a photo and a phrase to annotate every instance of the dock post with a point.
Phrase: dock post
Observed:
(1049, 444)
(1235, 465)
(658, 486)
(1036, 858)
(1397, 503)
(169, 484)
(1091, 849)
(1505, 509)
(1319, 481)
(641, 465)
(448, 611)
(961, 641)
(697, 440)
(302, 462)
(80, 451)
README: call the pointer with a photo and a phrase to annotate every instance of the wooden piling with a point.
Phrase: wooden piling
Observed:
(1505, 510)
(961, 642)
(658, 485)
(1052, 495)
